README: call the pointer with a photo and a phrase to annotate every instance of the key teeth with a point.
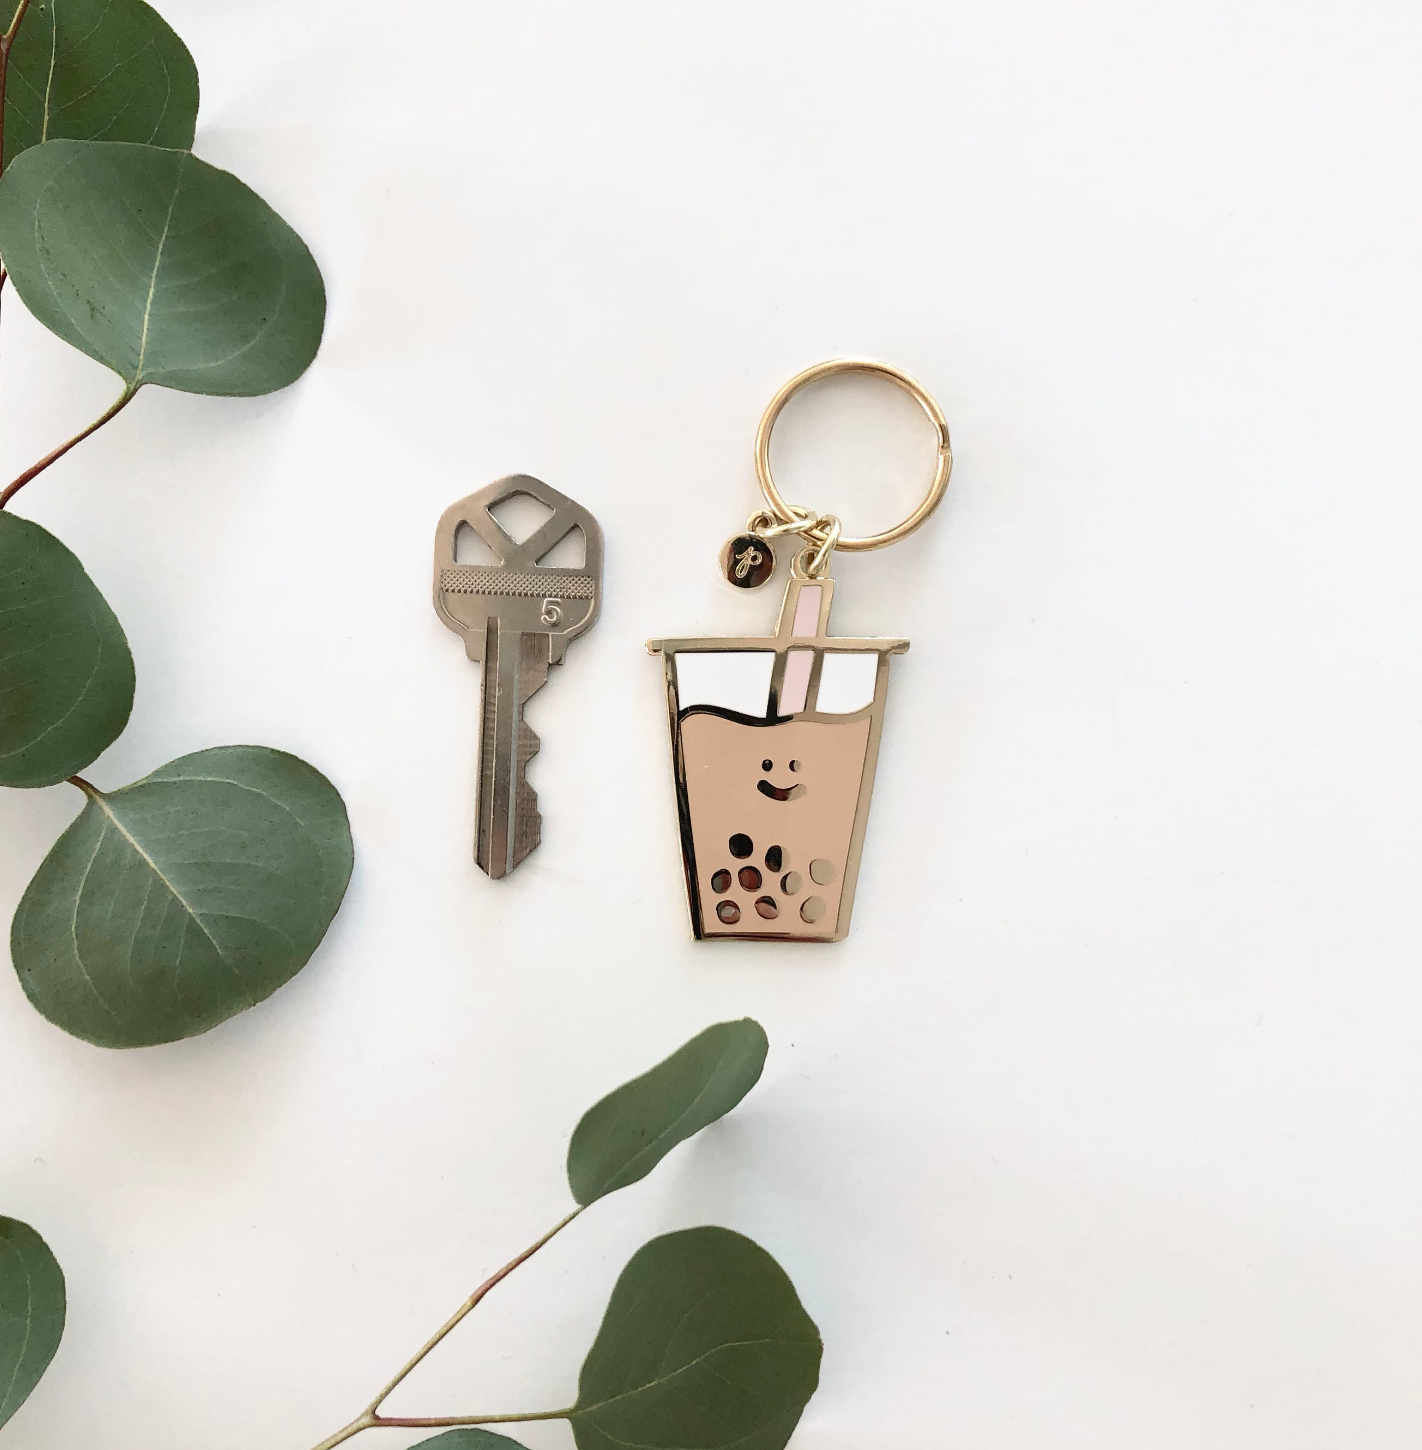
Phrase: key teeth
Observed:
(528, 823)
(528, 743)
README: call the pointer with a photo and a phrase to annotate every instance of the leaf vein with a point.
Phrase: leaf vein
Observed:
(74, 924)
(666, 1379)
(29, 1327)
(158, 872)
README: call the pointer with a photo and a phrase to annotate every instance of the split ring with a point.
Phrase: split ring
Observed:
(788, 514)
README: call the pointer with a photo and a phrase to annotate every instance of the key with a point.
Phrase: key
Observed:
(516, 617)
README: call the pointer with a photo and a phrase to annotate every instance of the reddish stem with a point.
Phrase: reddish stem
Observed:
(64, 448)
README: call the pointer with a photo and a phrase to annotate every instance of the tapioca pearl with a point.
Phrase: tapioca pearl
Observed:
(766, 906)
(721, 882)
(791, 882)
(821, 871)
(728, 912)
(741, 845)
(775, 859)
(750, 878)
(812, 908)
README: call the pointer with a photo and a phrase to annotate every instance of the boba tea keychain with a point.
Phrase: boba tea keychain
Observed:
(775, 739)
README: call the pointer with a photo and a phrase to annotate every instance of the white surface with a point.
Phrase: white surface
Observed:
(1102, 1129)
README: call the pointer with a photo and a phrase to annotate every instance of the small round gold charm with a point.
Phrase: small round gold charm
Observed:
(747, 561)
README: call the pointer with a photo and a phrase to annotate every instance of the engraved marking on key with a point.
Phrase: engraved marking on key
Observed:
(516, 618)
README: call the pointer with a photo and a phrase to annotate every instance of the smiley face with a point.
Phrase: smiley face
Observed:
(774, 792)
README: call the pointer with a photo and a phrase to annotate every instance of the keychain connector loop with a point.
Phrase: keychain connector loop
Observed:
(818, 567)
(805, 521)
(821, 533)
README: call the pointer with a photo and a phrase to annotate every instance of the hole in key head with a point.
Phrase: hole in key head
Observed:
(775, 859)
(470, 549)
(766, 907)
(721, 882)
(741, 845)
(728, 912)
(570, 552)
(749, 878)
(520, 515)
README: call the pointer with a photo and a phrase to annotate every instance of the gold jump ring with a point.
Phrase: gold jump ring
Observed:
(819, 565)
(804, 522)
(790, 515)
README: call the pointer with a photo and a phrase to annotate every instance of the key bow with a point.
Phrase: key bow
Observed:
(463, 593)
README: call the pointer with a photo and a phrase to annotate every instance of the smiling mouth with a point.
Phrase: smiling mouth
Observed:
(780, 793)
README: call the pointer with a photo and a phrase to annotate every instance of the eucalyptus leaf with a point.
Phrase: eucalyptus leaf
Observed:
(160, 266)
(623, 1137)
(31, 1312)
(98, 70)
(66, 675)
(705, 1345)
(176, 902)
(471, 1437)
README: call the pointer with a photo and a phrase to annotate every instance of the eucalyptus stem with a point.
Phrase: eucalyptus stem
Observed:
(371, 1418)
(9, 37)
(58, 453)
(365, 1422)
(446, 1422)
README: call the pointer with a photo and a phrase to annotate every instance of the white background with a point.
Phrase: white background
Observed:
(1102, 1130)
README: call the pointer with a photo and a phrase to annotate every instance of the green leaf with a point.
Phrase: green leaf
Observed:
(471, 1437)
(622, 1138)
(160, 266)
(31, 1312)
(705, 1345)
(174, 903)
(98, 70)
(66, 676)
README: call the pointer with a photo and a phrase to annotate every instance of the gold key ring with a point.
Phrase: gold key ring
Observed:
(787, 514)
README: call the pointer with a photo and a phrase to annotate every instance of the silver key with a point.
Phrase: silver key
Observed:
(517, 618)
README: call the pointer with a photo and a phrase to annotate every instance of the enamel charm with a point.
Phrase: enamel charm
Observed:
(775, 738)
